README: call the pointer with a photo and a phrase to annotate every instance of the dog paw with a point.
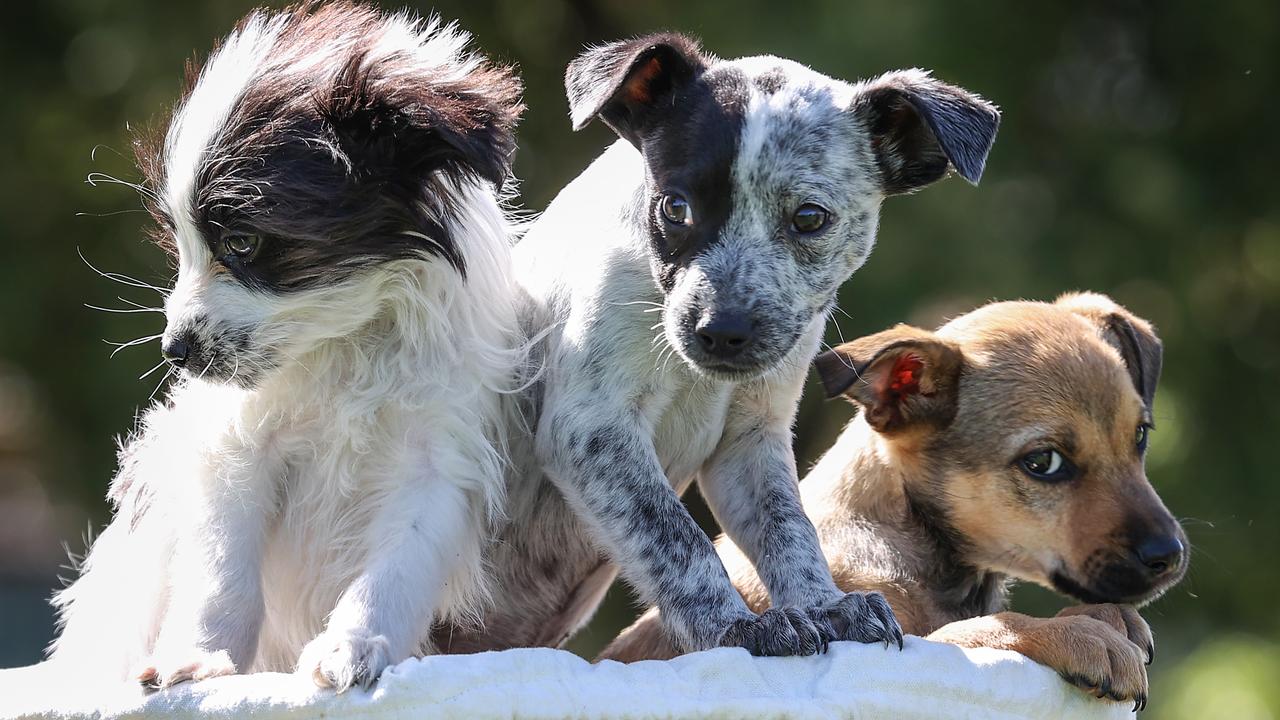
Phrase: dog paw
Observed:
(1124, 618)
(1099, 659)
(775, 632)
(169, 669)
(342, 660)
(861, 617)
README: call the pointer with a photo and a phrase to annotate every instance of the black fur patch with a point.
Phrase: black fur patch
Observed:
(349, 165)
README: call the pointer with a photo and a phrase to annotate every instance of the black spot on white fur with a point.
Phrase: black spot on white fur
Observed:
(353, 162)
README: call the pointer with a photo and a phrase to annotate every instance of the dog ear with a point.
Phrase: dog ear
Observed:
(1133, 337)
(900, 377)
(394, 127)
(625, 81)
(920, 126)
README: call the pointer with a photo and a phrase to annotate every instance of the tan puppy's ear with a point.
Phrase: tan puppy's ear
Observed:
(900, 377)
(1139, 346)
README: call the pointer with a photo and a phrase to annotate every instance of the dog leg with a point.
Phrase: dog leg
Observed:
(750, 483)
(423, 537)
(216, 606)
(603, 461)
(1092, 654)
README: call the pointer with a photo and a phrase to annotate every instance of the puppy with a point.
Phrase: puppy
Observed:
(1007, 445)
(320, 480)
(685, 279)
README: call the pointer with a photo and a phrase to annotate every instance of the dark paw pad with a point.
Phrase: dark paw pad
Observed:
(861, 617)
(775, 632)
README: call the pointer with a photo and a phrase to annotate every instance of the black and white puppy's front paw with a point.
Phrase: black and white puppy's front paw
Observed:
(342, 660)
(863, 617)
(775, 632)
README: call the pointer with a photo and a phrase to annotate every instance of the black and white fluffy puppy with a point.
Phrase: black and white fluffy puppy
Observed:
(317, 487)
(687, 276)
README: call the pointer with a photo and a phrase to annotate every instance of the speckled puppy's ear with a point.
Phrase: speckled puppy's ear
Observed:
(920, 127)
(901, 377)
(624, 83)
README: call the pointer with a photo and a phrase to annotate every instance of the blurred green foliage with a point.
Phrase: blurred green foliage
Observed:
(1135, 158)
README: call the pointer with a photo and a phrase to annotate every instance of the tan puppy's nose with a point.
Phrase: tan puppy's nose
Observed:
(1160, 554)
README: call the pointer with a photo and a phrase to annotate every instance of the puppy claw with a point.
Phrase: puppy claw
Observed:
(196, 665)
(778, 632)
(861, 617)
(345, 660)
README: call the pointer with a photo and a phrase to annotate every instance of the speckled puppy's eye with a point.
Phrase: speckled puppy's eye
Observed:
(810, 218)
(676, 210)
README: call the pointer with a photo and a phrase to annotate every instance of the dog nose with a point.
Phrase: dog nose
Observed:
(1160, 554)
(175, 350)
(725, 335)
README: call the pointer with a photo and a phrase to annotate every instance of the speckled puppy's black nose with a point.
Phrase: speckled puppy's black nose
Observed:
(725, 335)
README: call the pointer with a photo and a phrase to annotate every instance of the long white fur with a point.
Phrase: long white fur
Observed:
(338, 508)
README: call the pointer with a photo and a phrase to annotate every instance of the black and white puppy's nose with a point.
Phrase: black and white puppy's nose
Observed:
(175, 350)
(1160, 554)
(725, 335)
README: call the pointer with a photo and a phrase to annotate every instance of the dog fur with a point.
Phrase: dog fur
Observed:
(317, 487)
(633, 403)
(922, 498)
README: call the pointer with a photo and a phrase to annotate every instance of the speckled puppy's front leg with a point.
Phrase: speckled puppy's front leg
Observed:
(750, 483)
(604, 463)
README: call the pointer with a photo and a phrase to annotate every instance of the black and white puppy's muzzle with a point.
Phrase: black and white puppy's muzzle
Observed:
(296, 192)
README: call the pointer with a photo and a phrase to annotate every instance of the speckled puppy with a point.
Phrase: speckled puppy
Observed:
(685, 279)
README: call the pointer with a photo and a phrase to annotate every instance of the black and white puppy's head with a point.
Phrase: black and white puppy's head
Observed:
(764, 180)
(316, 151)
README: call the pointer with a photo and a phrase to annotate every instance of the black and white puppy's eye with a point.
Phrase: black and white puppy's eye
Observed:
(242, 246)
(1048, 465)
(810, 218)
(1142, 436)
(676, 210)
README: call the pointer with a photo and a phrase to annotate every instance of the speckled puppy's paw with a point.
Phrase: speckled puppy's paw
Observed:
(775, 632)
(861, 617)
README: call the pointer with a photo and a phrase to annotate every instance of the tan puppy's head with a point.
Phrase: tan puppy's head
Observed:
(1022, 429)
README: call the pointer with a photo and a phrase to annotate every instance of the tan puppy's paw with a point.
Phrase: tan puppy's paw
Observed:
(341, 660)
(1095, 656)
(169, 669)
(1124, 618)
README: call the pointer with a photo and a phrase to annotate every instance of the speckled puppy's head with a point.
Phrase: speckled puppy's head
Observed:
(764, 180)
(322, 156)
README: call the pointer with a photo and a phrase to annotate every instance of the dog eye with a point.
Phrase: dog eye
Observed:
(1142, 436)
(1046, 465)
(809, 218)
(241, 246)
(676, 210)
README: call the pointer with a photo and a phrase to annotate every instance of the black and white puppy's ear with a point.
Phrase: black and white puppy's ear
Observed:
(625, 83)
(1133, 337)
(902, 378)
(390, 123)
(920, 126)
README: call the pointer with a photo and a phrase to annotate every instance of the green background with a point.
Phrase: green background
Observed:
(1136, 157)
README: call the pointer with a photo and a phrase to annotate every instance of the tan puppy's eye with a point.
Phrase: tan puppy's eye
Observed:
(1143, 435)
(1048, 465)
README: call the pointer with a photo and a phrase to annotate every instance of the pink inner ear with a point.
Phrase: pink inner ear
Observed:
(637, 87)
(904, 379)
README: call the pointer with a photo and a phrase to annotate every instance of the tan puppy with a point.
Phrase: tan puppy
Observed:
(1008, 444)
